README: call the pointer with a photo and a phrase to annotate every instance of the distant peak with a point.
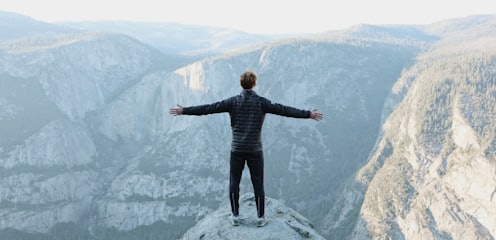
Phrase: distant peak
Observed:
(282, 223)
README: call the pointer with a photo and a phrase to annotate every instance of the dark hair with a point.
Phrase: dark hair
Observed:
(248, 80)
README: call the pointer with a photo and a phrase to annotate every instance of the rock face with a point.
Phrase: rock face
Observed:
(282, 223)
(432, 173)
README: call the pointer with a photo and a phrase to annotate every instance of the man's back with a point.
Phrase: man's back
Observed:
(247, 117)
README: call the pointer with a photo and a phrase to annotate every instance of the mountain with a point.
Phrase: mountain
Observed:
(282, 223)
(15, 26)
(406, 149)
(432, 172)
(78, 73)
(50, 169)
(176, 38)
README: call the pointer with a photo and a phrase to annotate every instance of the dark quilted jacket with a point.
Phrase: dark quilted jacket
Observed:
(247, 112)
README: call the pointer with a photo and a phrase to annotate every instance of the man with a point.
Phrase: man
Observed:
(247, 112)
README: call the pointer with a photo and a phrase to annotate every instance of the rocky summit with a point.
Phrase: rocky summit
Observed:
(282, 223)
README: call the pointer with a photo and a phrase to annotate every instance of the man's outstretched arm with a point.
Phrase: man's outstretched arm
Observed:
(279, 109)
(218, 107)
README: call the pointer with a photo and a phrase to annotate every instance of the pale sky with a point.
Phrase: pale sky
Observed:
(255, 16)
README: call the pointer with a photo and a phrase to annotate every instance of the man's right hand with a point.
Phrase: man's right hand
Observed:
(316, 115)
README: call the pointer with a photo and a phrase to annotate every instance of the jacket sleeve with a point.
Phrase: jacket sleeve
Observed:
(218, 107)
(279, 109)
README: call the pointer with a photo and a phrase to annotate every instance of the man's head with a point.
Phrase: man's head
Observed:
(248, 80)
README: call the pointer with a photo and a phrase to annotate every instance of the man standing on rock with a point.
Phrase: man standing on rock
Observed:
(247, 112)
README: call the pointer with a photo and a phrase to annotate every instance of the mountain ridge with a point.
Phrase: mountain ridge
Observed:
(14, 26)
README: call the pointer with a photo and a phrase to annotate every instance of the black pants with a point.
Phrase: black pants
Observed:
(255, 162)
